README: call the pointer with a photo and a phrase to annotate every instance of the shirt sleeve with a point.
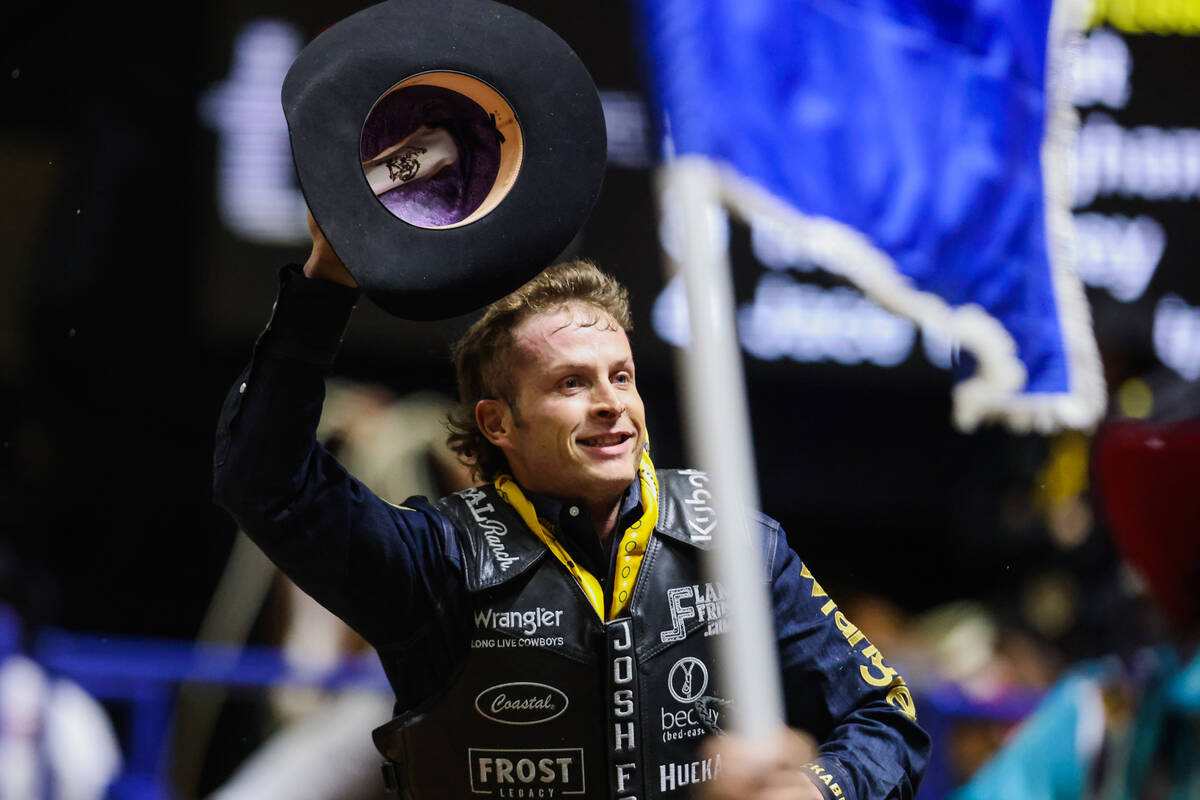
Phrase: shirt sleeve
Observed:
(393, 573)
(838, 687)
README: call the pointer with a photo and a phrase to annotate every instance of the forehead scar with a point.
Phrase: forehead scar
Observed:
(540, 338)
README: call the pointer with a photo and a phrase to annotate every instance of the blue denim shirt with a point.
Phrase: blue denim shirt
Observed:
(394, 573)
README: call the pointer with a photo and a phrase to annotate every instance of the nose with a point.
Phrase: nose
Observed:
(606, 401)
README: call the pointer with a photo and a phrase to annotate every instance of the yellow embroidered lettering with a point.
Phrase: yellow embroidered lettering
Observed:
(817, 591)
(886, 673)
(901, 698)
(847, 627)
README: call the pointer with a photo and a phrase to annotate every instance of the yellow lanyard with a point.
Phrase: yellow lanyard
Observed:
(633, 540)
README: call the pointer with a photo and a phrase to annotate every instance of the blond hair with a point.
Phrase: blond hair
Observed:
(483, 357)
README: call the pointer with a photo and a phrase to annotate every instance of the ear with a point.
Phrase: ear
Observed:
(494, 419)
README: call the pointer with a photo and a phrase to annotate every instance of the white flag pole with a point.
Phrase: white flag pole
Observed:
(718, 432)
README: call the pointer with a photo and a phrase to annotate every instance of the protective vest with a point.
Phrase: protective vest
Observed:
(552, 702)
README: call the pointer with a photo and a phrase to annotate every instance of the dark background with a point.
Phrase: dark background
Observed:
(127, 308)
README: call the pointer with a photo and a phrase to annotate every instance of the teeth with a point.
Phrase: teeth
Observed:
(605, 441)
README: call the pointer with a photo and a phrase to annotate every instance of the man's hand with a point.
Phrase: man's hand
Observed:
(322, 261)
(761, 769)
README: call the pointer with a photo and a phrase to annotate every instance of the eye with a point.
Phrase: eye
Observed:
(622, 378)
(571, 383)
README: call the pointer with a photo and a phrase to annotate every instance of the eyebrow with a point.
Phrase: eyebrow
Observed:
(581, 367)
(570, 367)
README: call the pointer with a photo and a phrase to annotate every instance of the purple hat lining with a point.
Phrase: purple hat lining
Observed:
(451, 195)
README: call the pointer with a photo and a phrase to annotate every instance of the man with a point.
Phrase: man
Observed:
(547, 634)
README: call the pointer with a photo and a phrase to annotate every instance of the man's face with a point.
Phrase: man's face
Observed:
(579, 423)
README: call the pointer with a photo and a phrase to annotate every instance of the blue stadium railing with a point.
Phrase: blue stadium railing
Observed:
(144, 676)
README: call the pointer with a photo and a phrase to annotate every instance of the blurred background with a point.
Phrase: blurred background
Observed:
(149, 202)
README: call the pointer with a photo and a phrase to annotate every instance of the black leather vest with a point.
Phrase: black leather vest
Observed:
(551, 702)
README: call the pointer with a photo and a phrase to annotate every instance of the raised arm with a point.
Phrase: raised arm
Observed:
(390, 572)
(323, 263)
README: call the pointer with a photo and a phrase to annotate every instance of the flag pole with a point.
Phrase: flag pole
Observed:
(717, 429)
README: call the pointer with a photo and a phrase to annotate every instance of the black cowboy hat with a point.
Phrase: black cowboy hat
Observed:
(448, 150)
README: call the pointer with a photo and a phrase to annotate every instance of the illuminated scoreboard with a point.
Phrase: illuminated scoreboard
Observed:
(1135, 196)
(1137, 185)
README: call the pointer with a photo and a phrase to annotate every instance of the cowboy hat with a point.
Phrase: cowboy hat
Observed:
(448, 150)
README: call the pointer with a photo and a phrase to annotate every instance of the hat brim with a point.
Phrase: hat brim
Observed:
(423, 273)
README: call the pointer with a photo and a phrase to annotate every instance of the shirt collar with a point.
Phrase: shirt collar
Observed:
(558, 511)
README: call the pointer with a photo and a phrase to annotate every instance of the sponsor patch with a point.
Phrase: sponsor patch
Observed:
(704, 717)
(705, 603)
(683, 723)
(526, 623)
(521, 703)
(699, 515)
(494, 531)
(687, 679)
(672, 777)
(526, 773)
(532, 641)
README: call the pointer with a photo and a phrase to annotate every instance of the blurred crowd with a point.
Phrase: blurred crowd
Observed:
(1078, 678)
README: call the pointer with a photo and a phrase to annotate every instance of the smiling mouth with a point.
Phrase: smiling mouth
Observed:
(606, 440)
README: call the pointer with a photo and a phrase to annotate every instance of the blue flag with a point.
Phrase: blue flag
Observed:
(920, 149)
